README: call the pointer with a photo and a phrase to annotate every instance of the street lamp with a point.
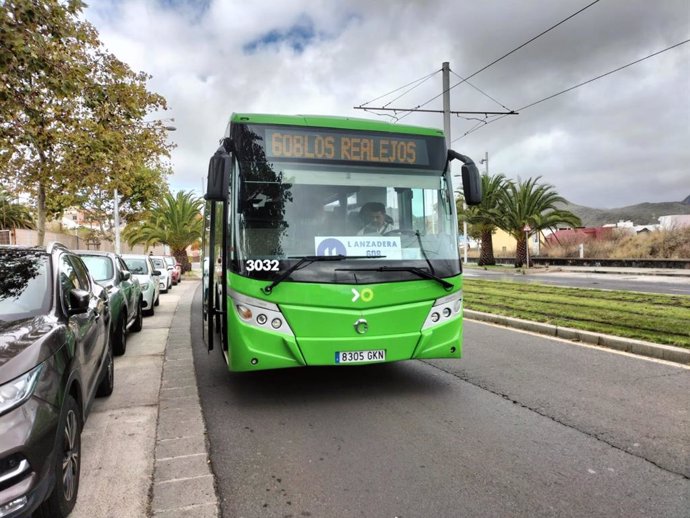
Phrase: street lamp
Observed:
(485, 160)
(116, 205)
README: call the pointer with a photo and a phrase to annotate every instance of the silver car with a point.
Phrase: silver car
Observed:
(142, 268)
(165, 280)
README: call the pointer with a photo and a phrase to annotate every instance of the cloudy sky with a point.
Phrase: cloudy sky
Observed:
(620, 140)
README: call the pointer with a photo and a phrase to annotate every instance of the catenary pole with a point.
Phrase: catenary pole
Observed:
(445, 69)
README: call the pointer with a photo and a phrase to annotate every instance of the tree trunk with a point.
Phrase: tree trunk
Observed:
(181, 257)
(521, 252)
(41, 213)
(486, 253)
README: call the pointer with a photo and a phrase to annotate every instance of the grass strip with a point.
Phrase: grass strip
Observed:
(672, 319)
(656, 318)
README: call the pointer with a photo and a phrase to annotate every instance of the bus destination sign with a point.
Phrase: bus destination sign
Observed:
(354, 147)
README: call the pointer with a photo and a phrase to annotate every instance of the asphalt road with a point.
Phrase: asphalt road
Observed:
(522, 426)
(670, 285)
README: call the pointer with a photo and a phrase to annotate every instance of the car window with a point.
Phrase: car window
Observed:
(151, 267)
(159, 263)
(25, 284)
(122, 264)
(69, 280)
(137, 266)
(170, 261)
(81, 271)
(100, 266)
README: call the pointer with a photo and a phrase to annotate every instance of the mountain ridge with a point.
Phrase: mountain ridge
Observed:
(646, 213)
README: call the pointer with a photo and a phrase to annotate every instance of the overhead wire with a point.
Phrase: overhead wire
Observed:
(481, 91)
(475, 128)
(422, 79)
(505, 55)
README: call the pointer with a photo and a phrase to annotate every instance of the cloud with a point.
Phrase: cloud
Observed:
(617, 141)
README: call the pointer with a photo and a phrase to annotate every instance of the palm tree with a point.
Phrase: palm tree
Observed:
(485, 217)
(175, 221)
(13, 215)
(529, 204)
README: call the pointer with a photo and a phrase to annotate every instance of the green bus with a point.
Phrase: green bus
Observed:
(332, 241)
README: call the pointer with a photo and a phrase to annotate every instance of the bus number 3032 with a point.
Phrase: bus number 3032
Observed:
(258, 265)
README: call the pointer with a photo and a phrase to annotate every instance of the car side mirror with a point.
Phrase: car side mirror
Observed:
(78, 301)
(156, 273)
(126, 275)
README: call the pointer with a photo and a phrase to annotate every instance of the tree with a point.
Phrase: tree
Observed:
(175, 221)
(13, 215)
(71, 114)
(486, 216)
(526, 203)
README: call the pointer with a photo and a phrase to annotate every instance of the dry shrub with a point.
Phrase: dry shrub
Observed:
(660, 244)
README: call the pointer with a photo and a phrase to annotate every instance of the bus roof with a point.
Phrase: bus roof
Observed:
(322, 121)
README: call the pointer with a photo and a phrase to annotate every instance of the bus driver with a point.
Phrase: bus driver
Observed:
(376, 221)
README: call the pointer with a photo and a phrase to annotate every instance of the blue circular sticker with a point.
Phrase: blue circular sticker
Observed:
(331, 246)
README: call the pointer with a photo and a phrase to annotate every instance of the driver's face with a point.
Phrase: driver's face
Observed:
(377, 218)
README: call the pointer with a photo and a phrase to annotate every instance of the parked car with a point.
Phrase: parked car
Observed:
(124, 294)
(143, 270)
(55, 357)
(165, 280)
(174, 268)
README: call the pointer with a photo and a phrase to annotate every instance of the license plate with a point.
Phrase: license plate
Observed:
(360, 356)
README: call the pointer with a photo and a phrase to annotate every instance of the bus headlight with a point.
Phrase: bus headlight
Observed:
(259, 313)
(444, 309)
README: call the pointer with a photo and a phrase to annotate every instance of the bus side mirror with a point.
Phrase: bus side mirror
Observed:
(471, 180)
(218, 179)
(471, 184)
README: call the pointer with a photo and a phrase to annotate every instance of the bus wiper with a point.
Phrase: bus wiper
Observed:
(426, 257)
(412, 269)
(305, 260)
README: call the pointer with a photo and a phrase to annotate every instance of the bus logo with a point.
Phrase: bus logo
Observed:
(361, 326)
(366, 295)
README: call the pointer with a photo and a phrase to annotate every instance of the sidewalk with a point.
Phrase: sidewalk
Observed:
(144, 451)
(614, 270)
(602, 270)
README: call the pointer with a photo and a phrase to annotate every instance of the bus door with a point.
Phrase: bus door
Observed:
(214, 263)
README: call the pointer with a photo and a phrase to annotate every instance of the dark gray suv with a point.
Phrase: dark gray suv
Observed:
(55, 357)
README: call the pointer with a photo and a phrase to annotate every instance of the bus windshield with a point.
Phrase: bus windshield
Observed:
(397, 216)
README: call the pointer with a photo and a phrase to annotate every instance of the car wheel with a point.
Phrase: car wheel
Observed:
(119, 336)
(67, 464)
(138, 319)
(105, 387)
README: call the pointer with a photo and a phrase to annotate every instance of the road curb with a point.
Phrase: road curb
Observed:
(639, 347)
(183, 484)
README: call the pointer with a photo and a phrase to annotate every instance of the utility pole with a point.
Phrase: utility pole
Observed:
(445, 69)
(116, 222)
(446, 123)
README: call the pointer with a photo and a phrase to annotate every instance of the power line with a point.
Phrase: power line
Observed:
(422, 79)
(480, 91)
(508, 54)
(407, 111)
(578, 85)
